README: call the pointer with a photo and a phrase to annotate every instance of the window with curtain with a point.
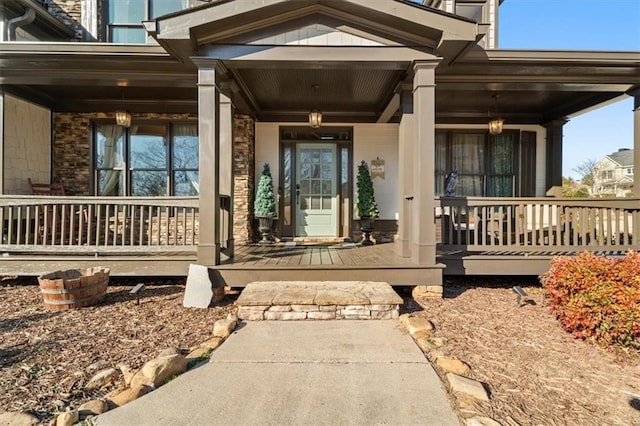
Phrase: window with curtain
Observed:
(487, 165)
(147, 159)
(125, 17)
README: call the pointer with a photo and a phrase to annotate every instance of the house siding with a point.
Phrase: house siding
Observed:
(26, 144)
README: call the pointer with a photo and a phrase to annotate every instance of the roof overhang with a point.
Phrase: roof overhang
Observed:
(45, 26)
(187, 33)
(533, 86)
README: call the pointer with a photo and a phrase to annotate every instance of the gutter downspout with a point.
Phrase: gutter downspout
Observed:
(19, 21)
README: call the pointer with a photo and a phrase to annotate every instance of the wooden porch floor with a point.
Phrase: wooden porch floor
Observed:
(324, 262)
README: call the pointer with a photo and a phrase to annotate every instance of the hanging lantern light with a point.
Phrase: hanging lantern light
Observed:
(123, 118)
(496, 123)
(315, 119)
(315, 116)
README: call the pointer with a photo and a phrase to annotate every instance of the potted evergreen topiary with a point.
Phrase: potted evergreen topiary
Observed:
(264, 206)
(366, 206)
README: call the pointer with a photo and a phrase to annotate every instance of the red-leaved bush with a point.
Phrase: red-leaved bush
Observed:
(597, 297)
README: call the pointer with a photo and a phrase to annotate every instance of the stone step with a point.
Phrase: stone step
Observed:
(318, 300)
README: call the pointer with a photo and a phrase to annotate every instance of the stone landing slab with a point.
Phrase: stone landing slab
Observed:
(318, 300)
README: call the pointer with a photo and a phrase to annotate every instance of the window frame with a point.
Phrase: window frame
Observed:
(517, 168)
(108, 26)
(126, 168)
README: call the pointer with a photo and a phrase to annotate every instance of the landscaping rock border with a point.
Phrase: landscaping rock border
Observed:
(169, 364)
(455, 373)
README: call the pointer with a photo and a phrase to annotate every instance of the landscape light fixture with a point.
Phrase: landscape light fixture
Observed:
(315, 116)
(495, 124)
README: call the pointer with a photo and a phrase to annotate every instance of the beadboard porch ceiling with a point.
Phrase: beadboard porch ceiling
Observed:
(534, 87)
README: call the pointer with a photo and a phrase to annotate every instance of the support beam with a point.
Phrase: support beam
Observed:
(423, 241)
(390, 109)
(209, 147)
(554, 153)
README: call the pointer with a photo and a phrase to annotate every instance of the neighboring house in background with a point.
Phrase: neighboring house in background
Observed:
(613, 175)
(157, 116)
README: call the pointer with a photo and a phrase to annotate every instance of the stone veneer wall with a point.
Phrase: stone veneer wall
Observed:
(72, 160)
(244, 172)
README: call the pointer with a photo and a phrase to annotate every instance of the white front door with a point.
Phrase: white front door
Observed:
(316, 176)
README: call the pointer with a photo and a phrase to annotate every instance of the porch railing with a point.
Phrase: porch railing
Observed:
(538, 224)
(94, 224)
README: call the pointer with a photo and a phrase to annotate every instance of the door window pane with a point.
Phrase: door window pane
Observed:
(148, 183)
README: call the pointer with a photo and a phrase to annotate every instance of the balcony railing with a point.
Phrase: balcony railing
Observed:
(538, 224)
(98, 224)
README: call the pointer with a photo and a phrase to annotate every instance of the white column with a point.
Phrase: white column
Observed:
(423, 241)
(209, 147)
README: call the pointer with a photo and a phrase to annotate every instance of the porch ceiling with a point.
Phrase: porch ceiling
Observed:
(534, 87)
(289, 94)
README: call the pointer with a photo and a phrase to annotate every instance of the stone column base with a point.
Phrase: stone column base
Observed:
(427, 291)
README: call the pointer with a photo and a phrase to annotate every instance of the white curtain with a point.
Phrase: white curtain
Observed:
(111, 158)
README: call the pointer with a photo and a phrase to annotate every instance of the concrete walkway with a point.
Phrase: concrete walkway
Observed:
(301, 373)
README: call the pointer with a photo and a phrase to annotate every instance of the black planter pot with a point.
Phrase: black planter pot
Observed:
(366, 226)
(264, 226)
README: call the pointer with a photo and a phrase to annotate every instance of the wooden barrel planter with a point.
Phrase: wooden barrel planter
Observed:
(74, 288)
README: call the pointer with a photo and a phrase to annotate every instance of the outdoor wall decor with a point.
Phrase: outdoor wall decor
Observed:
(377, 168)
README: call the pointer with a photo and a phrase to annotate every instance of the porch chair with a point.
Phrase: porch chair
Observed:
(45, 188)
(53, 218)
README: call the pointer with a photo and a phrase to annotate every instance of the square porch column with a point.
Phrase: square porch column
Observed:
(636, 141)
(554, 153)
(423, 225)
(226, 171)
(406, 137)
(209, 166)
(636, 161)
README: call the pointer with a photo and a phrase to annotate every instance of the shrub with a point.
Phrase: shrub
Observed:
(265, 202)
(595, 297)
(366, 205)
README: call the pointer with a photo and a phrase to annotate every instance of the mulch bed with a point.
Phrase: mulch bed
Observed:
(47, 357)
(537, 374)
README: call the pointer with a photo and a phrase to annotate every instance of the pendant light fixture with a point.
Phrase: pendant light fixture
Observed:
(315, 116)
(123, 118)
(496, 122)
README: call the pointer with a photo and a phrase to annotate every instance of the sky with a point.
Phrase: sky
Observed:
(579, 25)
